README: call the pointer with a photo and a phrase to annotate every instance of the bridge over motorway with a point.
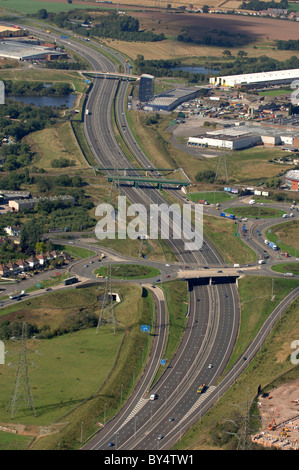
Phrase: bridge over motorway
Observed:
(211, 276)
(137, 180)
(101, 73)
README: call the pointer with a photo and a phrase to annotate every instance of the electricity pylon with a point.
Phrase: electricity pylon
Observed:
(21, 393)
(108, 297)
(222, 172)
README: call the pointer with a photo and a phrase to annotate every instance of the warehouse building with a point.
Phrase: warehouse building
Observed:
(244, 136)
(250, 80)
(11, 31)
(26, 51)
(22, 204)
(172, 99)
(291, 180)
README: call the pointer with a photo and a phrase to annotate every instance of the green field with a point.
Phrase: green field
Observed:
(212, 197)
(287, 268)
(128, 271)
(256, 211)
(32, 6)
(69, 368)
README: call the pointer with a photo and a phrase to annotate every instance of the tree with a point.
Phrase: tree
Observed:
(42, 14)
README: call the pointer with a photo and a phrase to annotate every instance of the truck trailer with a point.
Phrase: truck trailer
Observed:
(273, 246)
(228, 216)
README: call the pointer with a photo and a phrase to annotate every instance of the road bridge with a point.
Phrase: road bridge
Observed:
(137, 180)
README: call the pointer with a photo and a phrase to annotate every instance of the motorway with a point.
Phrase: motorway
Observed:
(213, 315)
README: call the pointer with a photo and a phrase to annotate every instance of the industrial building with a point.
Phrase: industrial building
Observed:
(25, 51)
(22, 204)
(146, 88)
(171, 99)
(241, 136)
(291, 180)
(250, 80)
(11, 31)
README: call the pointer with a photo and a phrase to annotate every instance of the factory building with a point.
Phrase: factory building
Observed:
(251, 80)
(291, 180)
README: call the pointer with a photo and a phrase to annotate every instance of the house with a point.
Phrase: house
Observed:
(4, 270)
(23, 265)
(42, 259)
(13, 231)
(13, 267)
(32, 262)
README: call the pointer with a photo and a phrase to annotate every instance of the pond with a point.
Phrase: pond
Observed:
(67, 101)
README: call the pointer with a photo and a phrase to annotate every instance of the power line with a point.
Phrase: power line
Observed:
(21, 393)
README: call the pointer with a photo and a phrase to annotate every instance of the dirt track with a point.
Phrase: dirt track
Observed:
(282, 406)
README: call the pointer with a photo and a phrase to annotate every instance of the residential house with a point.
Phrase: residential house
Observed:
(42, 259)
(32, 262)
(4, 270)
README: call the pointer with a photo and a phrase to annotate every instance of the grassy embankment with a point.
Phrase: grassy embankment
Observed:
(80, 367)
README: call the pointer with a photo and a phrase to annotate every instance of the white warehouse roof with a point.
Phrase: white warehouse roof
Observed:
(232, 80)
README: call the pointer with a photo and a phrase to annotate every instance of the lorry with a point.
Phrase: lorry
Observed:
(228, 216)
(201, 388)
(17, 296)
(273, 246)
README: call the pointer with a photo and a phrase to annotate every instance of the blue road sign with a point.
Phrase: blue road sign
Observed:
(145, 327)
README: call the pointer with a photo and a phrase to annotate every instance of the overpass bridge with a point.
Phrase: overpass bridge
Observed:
(210, 276)
(103, 74)
(137, 180)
